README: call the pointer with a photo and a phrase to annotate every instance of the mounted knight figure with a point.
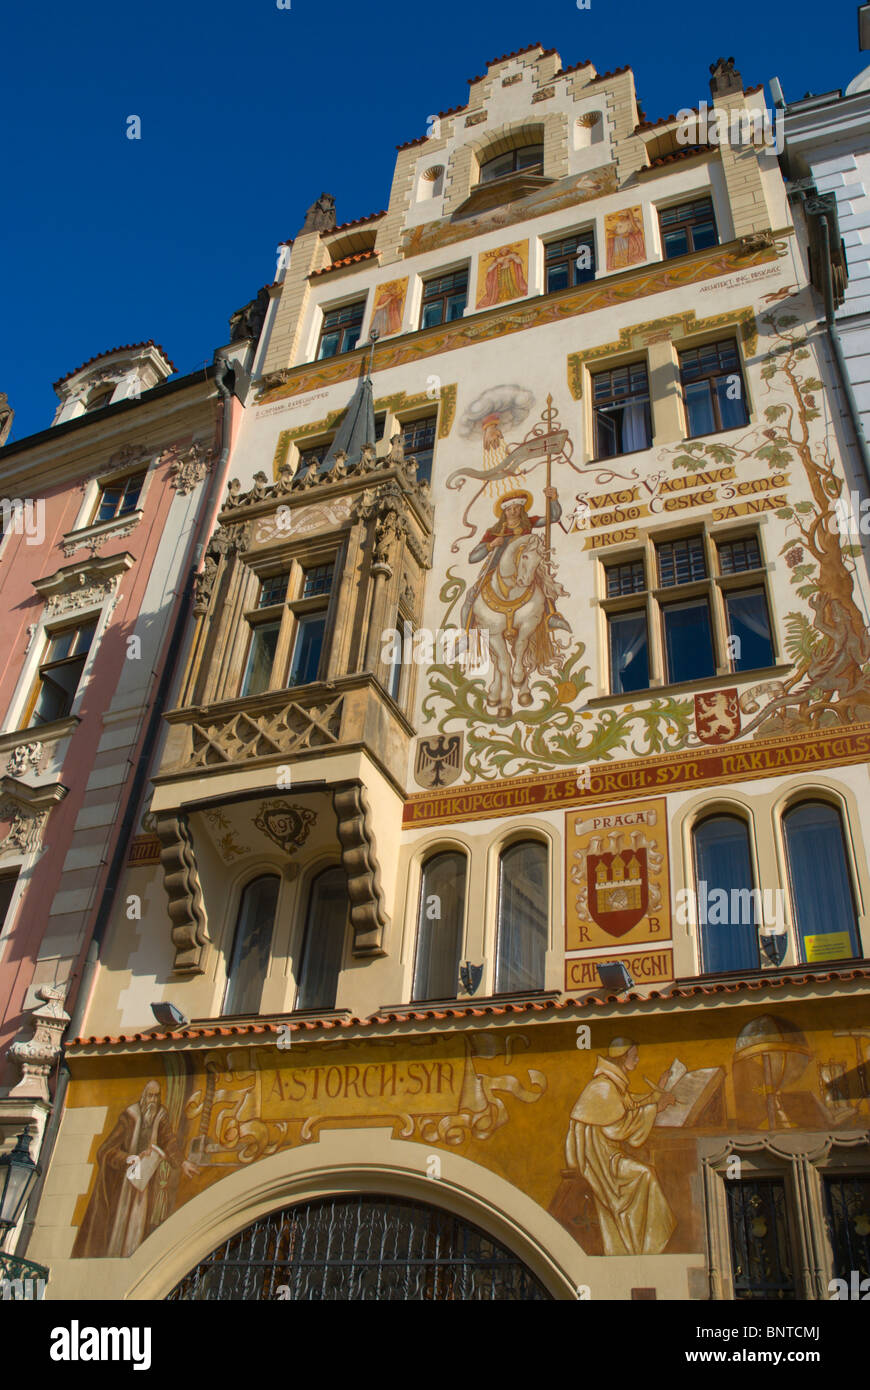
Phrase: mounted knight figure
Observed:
(514, 599)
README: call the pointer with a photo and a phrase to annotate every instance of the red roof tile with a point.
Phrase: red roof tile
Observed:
(505, 57)
(765, 981)
(358, 222)
(125, 347)
(678, 154)
(346, 260)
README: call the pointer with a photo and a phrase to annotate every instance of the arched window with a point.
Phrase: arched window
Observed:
(100, 398)
(821, 884)
(728, 906)
(439, 926)
(323, 943)
(528, 158)
(252, 943)
(522, 917)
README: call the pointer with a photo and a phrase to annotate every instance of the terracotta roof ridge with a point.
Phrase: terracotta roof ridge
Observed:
(345, 260)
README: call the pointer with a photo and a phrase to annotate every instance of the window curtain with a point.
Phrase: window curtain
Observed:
(723, 861)
(522, 918)
(634, 428)
(323, 943)
(252, 944)
(821, 886)
(439, 927)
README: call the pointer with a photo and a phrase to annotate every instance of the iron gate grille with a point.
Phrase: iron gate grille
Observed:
(848, 1201)
(364, 1248)
(760, 1241)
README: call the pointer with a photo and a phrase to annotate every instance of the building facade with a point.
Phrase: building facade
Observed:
(525, 652)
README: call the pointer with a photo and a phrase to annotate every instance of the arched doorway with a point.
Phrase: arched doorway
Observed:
(360, 1248)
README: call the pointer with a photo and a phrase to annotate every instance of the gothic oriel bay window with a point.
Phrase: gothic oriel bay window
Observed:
(288, 629)
(522, 928)
(252, 943)
(820, 880)
(440, 922)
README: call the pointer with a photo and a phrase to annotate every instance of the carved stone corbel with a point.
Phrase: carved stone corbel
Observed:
(36, 1057)
(181, 881)
(359, 858)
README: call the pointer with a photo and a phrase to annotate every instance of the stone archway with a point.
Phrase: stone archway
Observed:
(361, 1247)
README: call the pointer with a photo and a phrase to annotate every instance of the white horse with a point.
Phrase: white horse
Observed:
(513, 605)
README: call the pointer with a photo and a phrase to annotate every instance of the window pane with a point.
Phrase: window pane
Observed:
(676, 244)
(329, 345)
(729, 926)
(682, 561)
(109, 501)
(557, 277)
(439, 927)
(273, 590)
(761, 1258)
(323, 946)
(306, 652)
(628, 578)
(7, 890)
(432, 314)
(732, 407)
(688, 641)
(821, 885)
(261, 658)
(131, 493)
(629, 658)
(746, 611)
(699, 408)
(456, 306)
(740, 555)
(522, 918)
(57, 691)
(249, 962)
(704, 235)
(318, 580)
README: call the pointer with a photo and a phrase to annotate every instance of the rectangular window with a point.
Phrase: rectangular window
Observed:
(750, 647)
(261, 658)
(621, 412)
(713, 391)
(317, 580)
(681, 562)
(60, 672)
(688, 227)
(341, 329)
(570, 261)
(628, 578)
(273, 590)
(307, 648)
(444, 298)
(7, 892)
(119, 498)
(418, 439)
(737, 556)
(761, 1248)
(629, 652)
(688, 640)
(314, 454)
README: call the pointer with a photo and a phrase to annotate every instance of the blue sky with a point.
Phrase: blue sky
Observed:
(248, 112)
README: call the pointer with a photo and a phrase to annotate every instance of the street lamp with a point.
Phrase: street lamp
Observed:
(17, 1175)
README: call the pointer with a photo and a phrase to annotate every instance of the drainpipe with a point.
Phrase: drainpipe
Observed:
(839, 355)
(223, 379)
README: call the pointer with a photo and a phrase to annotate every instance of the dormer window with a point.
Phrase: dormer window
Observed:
(528, 158)
(100, 398)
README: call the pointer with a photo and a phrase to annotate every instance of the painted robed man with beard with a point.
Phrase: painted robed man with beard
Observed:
(131, 1197)
(607, 1122)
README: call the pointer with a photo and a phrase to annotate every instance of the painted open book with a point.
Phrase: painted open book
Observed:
(694, 1092)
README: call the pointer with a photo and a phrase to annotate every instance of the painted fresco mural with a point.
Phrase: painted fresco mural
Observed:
(565, 193)
(502, 274)
(530, 511)
(389, 307)
(605, 1137)
(624, 238)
